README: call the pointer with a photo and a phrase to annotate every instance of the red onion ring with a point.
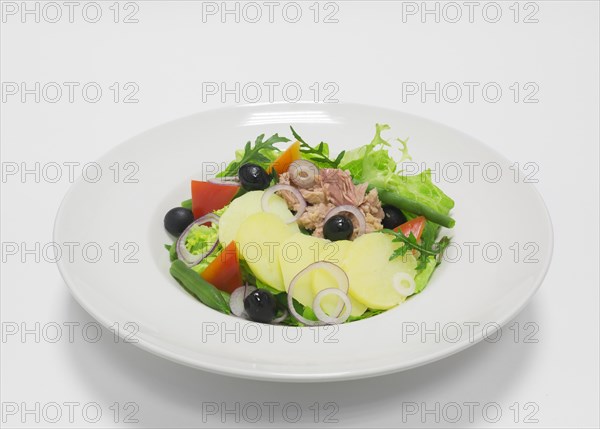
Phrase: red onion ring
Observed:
(324, 317)
(236, 300)
(227, 181)
(342, 281)
(270, 191)
(185, 255)
(303, 173)
(397, 280)
(360, 217)
(281, 318)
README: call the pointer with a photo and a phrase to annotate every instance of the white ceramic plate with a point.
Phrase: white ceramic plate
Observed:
(470, 295)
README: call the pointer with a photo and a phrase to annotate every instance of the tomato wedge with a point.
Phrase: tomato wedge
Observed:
(224, 272)
(416, 226)
(282, 163)
(208, 197)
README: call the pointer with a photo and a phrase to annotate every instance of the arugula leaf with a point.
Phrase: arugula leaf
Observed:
(296, 136)
(319, 155)
(426, 249)
(261, 153)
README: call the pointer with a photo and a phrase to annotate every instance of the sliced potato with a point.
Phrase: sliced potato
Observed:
(300, 251)
(322, 279)
(248, 204)
(370, 271)
(258, 239)
(295, 254)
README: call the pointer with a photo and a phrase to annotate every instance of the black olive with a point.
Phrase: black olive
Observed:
(253, 177)
(261, 306)
(393, 217)
(178, 219)
(338, 227)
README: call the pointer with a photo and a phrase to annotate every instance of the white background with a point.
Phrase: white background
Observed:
(368, 54)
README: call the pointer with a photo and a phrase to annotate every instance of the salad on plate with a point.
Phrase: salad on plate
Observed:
(297, 236)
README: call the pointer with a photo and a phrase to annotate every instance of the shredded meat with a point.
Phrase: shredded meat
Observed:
(372, 205)
(332, 188)
(312, 219)
(339, 188)
(314, 195)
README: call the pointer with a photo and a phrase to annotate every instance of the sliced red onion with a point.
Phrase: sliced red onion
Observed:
(353, 210)
(228, 181)
(281, 318)
(185, 255)
(303, 173)
(338, 274)
(298, 316)
(236, 300)
(270, 191)
(324, 317)
(399, 283)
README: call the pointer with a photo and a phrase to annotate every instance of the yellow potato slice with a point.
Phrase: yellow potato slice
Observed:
(297, 253)
(370, 271)
(300, 251)
(246, 205)
(258, 239)
(322, 279)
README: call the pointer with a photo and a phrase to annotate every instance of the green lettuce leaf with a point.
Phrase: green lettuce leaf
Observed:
(199, 240)
(373, 163)
(422, 278)
(369, 313)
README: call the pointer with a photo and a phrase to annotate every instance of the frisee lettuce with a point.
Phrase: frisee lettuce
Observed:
(199, 240)
(372, 163)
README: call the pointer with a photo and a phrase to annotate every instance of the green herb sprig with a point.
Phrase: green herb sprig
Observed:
(253, 153)
(319, 154)
(425, 249)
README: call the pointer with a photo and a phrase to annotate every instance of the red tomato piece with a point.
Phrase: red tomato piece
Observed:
(224, 272)
(208, 197)
(416, 226)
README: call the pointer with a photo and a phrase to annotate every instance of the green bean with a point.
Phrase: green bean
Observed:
(415, 207)
(197, 286)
